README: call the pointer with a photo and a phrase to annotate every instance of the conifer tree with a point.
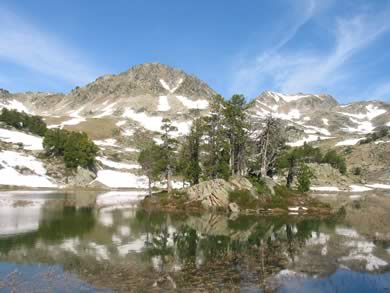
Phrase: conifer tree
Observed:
(216, 146)
(189, 155)
(169, 146)
(237, 128)
(150, 159)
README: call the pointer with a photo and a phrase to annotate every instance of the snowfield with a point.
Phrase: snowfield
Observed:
(107, 142)
(309, 138)
(379, 186)
(153, 123)
(325, 188)
(359, 188)
(116, 179)
(190, 104)
(287, 98)
(117, 165)
(15, 105)
(30, 142)
(163, 105)
(9, 160)
(107, 111)
(349, 141)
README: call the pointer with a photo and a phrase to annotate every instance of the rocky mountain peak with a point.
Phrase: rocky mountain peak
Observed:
(147, 79)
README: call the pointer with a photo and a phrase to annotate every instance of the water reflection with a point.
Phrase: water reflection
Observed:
(132, 250)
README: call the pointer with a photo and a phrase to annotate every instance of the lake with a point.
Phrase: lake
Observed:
(53, 242)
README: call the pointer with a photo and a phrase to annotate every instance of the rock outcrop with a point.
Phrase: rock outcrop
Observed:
(215, 193)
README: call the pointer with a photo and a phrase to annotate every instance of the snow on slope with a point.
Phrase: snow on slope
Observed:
(107, 111)
(116, 179)
(9, 160)
(349, 142)
(30, 142)
(15, 105)
(309, 138)
(163, 104)
(117, 165)
(363, 120)
(286, 98)
(198, 104)
(168, 88)
(153, 123)
(371, 112)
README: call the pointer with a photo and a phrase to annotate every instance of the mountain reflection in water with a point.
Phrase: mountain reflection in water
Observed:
(134, 250)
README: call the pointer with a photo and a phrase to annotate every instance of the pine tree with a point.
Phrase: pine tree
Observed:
(169, 146)
(237, 132)
(304, 178)
(150, 159)
(216, 146)
(189, 155)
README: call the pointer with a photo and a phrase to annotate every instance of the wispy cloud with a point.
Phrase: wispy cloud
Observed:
(26, 45)
(307, 71)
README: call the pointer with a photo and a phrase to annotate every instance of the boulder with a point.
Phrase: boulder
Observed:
(215, 193)
(211, 193)
(82, 178)
(234, 208)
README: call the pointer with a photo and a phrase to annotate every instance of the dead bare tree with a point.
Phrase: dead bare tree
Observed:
(269, 140)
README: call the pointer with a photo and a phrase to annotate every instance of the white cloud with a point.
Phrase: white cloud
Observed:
(26, 45)
(293, 71)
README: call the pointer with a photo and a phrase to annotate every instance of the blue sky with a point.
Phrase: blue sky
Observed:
(317, 46)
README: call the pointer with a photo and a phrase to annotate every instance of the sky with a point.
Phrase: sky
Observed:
(338, 47)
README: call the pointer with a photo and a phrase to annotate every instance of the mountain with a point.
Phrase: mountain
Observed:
(319, 116)
(120, 111)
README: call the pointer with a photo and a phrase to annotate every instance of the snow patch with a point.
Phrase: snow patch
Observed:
(120, 123)
(30, 142)
(108, 110)
(116, 179)
(163, 104)
(309, 138)
(359, 188)
(153, 123)
(325, 188)
(190, 104)
(117, 165)
(352, 141)
(106, 142)
(379, 186)
(73, 121)
(15, 105)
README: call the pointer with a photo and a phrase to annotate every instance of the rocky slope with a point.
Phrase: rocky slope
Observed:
(120, 111)
(320, 117)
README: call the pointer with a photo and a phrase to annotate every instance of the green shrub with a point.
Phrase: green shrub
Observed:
(243, 199)
(79, 150)
(335, 160)
(76, 148)
(21, 120)
(304, 178)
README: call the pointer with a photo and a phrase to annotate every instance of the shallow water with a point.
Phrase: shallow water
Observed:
(52, 242)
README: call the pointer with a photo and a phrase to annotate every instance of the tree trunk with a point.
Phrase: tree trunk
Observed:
(263, 169)
(169, 180)
(150, 186)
